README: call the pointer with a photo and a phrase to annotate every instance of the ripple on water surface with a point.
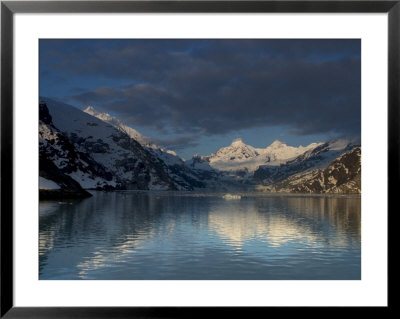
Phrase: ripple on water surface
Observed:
(146, 235)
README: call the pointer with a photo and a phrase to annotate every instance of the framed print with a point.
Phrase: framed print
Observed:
(208, 154)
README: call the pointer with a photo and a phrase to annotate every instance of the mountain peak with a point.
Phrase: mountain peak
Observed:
(92, 111)
(237, 142)
(277, 143)
(102, 116)
(89, 109)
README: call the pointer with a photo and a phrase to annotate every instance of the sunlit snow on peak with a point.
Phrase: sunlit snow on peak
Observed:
(237, 142)
(277, 143)
(144, 140)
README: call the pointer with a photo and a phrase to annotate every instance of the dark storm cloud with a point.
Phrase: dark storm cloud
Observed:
(219, 86)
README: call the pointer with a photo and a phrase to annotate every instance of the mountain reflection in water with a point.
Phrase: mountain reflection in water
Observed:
(147, 235)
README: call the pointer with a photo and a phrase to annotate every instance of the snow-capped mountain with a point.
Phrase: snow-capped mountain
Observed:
(242, 157)
(182, 176)
(317, 157)
(278, 152)
(56, 148)
(342, 175)
(105, 117)
(130, 165)
(93, 150)
(169, 157)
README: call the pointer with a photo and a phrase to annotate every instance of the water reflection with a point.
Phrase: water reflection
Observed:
(249, 223)
(278, 220)
(133, 235)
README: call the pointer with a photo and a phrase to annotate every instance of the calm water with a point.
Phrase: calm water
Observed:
(143, 235)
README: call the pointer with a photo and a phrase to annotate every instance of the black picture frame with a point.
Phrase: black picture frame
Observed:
(9, 8)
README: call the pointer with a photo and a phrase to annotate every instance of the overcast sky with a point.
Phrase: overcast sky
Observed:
(195, 96)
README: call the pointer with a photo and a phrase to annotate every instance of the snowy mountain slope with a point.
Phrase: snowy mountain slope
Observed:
(131, 166)
(188, 175)
(242, 157)
(317, 157)
(201, 166)
(57, 148)
(55, 184)
(343, 175)
(183, 177)
(167, 156)
(98, 151)
(181, 174)
(201, 163)
(278, 152)
(105, 117)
